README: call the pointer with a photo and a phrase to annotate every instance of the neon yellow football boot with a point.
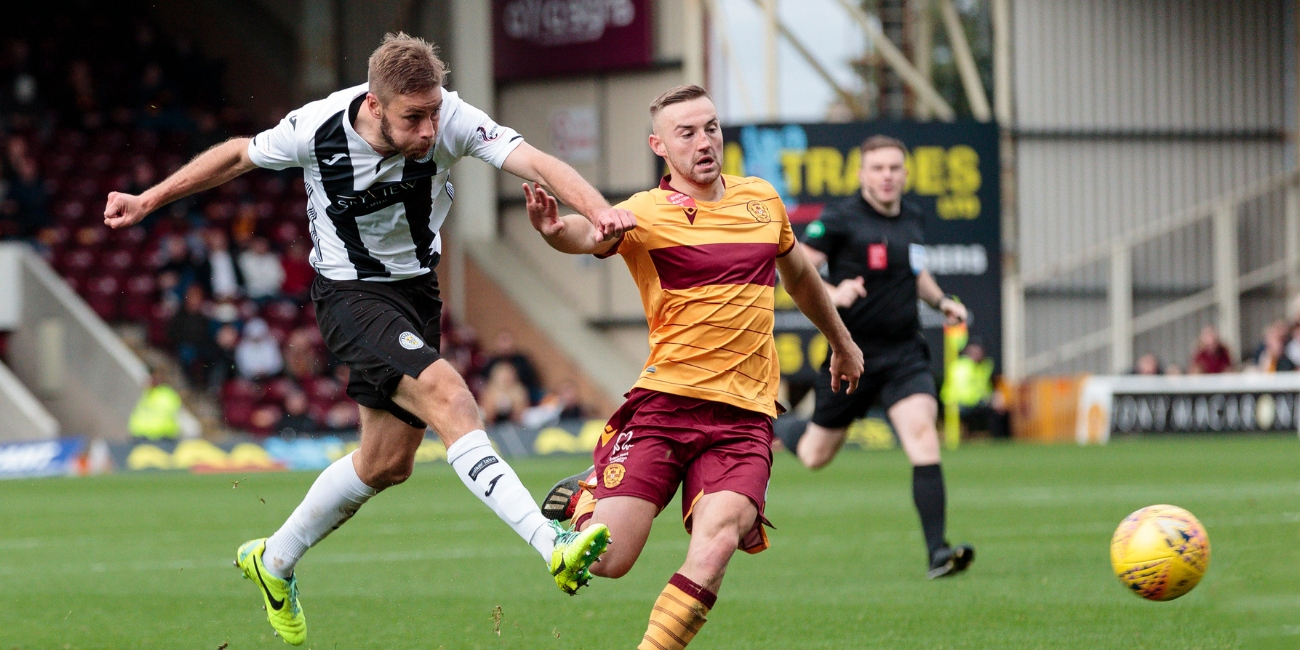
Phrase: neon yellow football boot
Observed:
(280, 596)
(574, 554)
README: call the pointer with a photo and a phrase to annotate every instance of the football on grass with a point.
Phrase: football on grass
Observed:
(1160, 552)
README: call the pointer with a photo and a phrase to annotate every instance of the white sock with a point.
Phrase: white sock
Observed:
(336, 495)
(493, 481)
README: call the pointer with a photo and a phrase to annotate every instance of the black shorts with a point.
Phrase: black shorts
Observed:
(890, 373)
(382, 330)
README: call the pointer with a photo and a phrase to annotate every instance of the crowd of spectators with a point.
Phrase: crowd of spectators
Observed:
(97, 100)
(1278, 350)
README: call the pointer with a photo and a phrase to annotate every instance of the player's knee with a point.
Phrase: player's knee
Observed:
(387, 474)
(815, 458)
(613, 565)
(449, 398)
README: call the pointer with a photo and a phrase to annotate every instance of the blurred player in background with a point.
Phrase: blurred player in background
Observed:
(376, 159)
(705, 252)
(873, 248)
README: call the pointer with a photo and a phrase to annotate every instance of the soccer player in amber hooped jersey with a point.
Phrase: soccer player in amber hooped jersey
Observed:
(705, 253)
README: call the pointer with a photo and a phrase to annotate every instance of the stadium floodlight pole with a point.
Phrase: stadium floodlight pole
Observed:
(772, 24)
(970, 76)
(894, 57)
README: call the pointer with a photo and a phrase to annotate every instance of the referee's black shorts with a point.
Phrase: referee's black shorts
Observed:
(891, 372)
(382, 330)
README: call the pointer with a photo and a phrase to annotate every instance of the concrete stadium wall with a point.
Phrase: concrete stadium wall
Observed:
(1127, 112)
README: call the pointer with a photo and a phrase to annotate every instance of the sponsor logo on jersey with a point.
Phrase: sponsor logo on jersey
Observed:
(488, 136)
(759, 211)
(622, 447)
(614, 473)
(334, 160)
(877, 257)
(410, 341)
(482, 465)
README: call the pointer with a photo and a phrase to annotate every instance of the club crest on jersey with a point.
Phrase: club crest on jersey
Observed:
(759, 211)
(614, 473)
(410, 341)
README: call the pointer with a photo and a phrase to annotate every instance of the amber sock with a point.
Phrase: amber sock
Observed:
(678, 615)
(585, 507)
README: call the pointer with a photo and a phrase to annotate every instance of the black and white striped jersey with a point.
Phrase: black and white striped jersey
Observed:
(371, 217)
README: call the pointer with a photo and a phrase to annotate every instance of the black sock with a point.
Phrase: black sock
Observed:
(789, 430)
(928, 493)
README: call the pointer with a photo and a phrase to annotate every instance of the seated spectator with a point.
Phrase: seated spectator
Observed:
(295, 419)
(301, 356)
(258, 354)
(1292, 349)
(298, 273)
(1270, 354)
(221, 368)
(260, 266)
(1148, 364)
(224, 276)
(504, 397)
(504, 349)
(563, 403)
(29, 197)
(1173, 370)
(190, 335)
(157, 415)
(343, 416)
(1211, 355)
(969, 384)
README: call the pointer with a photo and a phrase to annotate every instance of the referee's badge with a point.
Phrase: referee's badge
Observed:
(410, 341)
(916, 254)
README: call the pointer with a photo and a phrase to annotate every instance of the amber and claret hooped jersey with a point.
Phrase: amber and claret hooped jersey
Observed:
(707, 275)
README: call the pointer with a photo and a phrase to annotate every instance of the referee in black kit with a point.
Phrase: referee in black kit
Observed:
(872, 245)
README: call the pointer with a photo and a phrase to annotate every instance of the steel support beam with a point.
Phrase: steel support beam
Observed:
(1120, 297)
(970, 76)
(1227, 283)
(894, 57)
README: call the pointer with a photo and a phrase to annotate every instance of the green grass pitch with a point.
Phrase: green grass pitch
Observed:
(144, 561)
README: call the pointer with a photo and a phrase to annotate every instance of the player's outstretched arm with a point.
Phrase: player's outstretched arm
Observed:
(809, 293)
(209, 169)
(568, 234)
(571, 188)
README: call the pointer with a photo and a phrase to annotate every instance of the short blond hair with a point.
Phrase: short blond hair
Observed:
(676, 95)
(404, 65)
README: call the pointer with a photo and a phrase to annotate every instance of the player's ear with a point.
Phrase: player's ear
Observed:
(375, 107)
(657, 145)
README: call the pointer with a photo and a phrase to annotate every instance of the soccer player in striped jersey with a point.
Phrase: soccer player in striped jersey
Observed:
(376, 160)
(705, 254)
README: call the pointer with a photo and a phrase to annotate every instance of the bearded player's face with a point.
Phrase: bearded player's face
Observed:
(689, 137)
(884, 174)
(409, 123)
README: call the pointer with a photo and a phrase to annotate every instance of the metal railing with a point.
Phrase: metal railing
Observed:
(1224, 294)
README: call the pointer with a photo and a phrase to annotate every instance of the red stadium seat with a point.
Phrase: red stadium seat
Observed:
(141, 292)
(277, 389)
(102, 294)
(237, 413)
(237, 389)
(76, 262)
(117, 260)
(160, 316)
(280, 313)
